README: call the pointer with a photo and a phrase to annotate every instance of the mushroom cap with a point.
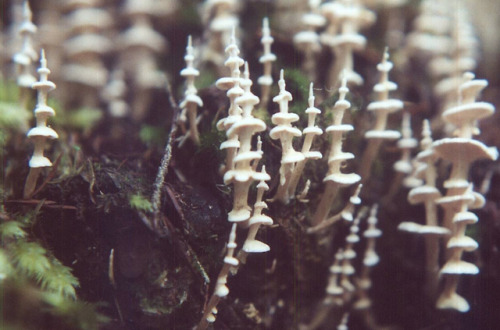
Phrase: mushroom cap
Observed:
(462, 242)
(267, 58)
(39, 161)
(224, 23)
(45, 86)
(343, 179)
(461, 149)
(276, 132)
(465, 113)
(313, 155)
(313, 20)
(190, 71)
(304, 39)
(42, 131)
(383, 135)
(44, 110)
(228, 144)
(238, 215)
(465, 216)
(314, 130)
(261, 219)
(89, 17)
(416, 228)
(292, 156)
(265, 80)
(454, 301)
(191, 98)
(142, 36)
(388, 106)
(87, 44)
(458, 267)
(339, 128)
(422, 194)
(94, 77)
(255, 246)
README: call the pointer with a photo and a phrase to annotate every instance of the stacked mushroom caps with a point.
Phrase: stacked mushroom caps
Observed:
(27, 55)
(232, 85)
(243, 174)
(85, 48)
(191, 100)
(382, 107)
(461, 151)
(285, 132)
(342, 35)
(334, 178)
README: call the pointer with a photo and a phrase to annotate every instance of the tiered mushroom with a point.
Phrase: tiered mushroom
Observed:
(26, 56)
(84, 72)
(139, 45)
(345, 19)
(461, 151)
(310, 132)
(243, 174)
(336, 158)
(266, 80)
(232, 85)
(307, 40)
(382, 107)
(191, 100)
(285, 132)
(41, 132)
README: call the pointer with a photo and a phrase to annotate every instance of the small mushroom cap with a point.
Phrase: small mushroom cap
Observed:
(304, 39)
(454, 301)
(87, 44)
(255, 246)
(422, 194)
(44, 110)
(391, 105)
(191, 98)
(238, 215)
(39, 161)
(292, 157)
(313, 155)
(265, 80)
(228, 144)
(383, 135)
(276, 132)
(463, 242)
(343, 179)
(458, 267)
(339, 128)
(416, 228)
(460, 149)
(42, 131)
(465, 113)
(465, 216)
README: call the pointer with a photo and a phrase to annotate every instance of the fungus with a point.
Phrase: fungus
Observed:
(382, 107)
(191, 100)
(266, 80)
(461, 152)
(310, 132)
(243, 174)
(26, 56)
(334, 178)
(285, 132)
(221, 290)
(307, 41)
(41, 132)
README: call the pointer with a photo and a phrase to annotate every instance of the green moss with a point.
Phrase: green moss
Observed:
(139, 202)
(152, 135)
(11, 230)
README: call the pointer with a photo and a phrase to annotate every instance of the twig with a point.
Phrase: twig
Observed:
(163, 169)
